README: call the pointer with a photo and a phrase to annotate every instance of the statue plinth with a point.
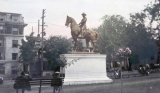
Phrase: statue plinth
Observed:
(84, 53)
(85, 69)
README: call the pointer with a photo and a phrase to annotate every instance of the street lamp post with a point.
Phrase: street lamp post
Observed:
(122, 53)
(121, 75)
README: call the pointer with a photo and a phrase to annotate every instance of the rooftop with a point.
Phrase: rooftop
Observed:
(9, 13)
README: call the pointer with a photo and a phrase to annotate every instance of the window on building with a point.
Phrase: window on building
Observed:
(15, 19)
(14, 43)
(14, 56)
(2, 17)
(8, 17)
(1, 27)
(2, 68)
(14, 70)
(0, 56)
(1, 43)
(15, 31)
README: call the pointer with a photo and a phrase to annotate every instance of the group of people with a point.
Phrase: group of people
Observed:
(148, 68)
(22, 82)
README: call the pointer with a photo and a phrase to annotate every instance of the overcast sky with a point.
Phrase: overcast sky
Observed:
(57, 10)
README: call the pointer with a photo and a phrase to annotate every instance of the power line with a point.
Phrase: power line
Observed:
(56, 25)
(31, 22)
(48, 23)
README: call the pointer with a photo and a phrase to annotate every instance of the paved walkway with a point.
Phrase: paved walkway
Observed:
(45, 89)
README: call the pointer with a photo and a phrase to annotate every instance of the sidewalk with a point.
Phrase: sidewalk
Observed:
(130, 73)
(45, 89)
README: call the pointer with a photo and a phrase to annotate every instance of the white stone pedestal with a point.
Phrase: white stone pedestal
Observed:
(85, 69)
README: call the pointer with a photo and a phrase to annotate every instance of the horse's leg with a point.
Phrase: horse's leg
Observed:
(75, 44)
(93, 44)
(87, 44)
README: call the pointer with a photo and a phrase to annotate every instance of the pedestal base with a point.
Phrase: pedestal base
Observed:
(85, 69)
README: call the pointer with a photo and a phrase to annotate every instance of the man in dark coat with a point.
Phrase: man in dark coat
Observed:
(22, 82)
(56, 75)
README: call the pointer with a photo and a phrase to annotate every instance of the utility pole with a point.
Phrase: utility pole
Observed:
(43, 12)
(38, 27)
(32, 29)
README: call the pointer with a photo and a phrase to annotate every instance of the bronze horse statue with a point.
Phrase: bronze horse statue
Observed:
(89, 35)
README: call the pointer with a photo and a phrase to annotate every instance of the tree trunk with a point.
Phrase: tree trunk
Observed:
(25, 67)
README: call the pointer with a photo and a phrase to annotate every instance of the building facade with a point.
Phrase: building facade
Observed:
(11, 32)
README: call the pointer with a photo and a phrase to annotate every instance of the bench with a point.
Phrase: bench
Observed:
(56, 83)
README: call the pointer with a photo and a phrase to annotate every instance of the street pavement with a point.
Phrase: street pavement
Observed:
(147, 83)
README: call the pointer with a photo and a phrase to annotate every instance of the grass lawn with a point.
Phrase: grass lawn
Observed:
(138, 86)
(129, 86)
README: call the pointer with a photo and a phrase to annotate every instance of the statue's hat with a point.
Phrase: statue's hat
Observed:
(84, 13)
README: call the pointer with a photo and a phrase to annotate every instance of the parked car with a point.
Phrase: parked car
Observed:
(1, 80)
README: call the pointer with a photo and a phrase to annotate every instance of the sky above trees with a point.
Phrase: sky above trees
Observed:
(57, 11)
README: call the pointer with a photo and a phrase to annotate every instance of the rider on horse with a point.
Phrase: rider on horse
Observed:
(90, 35)
(83, 24)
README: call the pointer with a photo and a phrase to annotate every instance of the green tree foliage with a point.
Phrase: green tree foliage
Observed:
(27, 49)
(112, 34)
(55, 46)
(140, 38)
(116, 32)
(152, 11)
(27, 53)
(80, 45)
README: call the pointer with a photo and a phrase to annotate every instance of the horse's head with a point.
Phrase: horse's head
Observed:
(68, 20)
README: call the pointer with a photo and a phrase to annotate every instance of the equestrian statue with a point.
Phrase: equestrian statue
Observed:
(81, 32)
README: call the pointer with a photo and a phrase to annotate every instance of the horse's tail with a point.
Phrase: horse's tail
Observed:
(96, 35)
